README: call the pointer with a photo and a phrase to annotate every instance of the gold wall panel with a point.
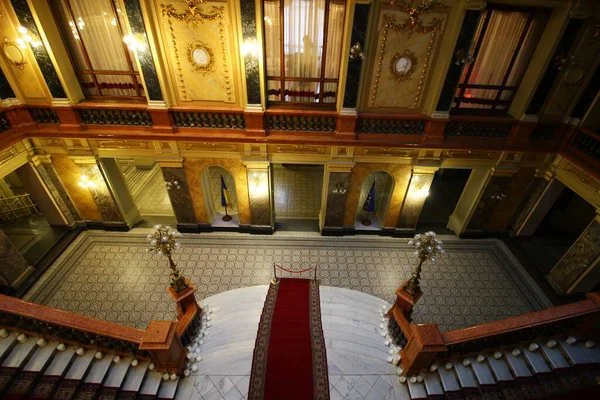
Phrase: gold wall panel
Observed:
(69, 174)
(398, 37)
(210, 26)
(400, 173)
(27, 82)
(193, 168)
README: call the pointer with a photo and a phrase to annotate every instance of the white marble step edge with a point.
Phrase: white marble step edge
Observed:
(60, 362)
(7, 344)
(99, 370)
(80, 366)
(20, 353)
(135, 377)
(151, 383)
(221, 340)
(168, 389)
(367, 342)
(41, 358)
(118, 372)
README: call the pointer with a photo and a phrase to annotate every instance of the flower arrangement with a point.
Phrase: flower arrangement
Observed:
(428, 247)
(164, 242)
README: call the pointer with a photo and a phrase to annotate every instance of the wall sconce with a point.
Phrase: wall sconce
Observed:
(356, 52)
(135, 42)
(339, 189)
(86, 183)
(419, 189)
(250, 48)
(495, 193)
(26, 39)
(172, 183)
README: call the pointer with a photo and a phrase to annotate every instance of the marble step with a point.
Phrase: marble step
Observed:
(220, 351)
(117, 373)
(341, 362)
(168, 389)
(20, 354)
(6, 345)
(41, 358)
(327, 292)
(237, 296)
(99, 370)
(60, 362)
(357, 348)
(374, 342)
(151, 384)
(338, 311)
(248, 322)
(227, 339)
(351, 323)
(223, 319)
(356, 302)
(237, 363)
(135, 377)
(80, 366)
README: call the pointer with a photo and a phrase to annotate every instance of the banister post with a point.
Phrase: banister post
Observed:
(164, 346)
(184, 298)
(404, 300)
(423, 346)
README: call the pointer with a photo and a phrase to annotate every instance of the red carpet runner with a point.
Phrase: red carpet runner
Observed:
(289, 356)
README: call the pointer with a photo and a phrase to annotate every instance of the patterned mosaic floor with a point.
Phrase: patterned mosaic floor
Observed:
(297, 191)
(105, 274)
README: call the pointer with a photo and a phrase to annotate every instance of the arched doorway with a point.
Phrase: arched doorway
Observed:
(373, 218)
(217, 213)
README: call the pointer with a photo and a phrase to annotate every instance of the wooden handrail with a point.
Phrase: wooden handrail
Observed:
(520, 322)
(70, 320)
(590, 132)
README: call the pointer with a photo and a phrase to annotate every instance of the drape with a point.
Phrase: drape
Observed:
(500, 42)
(303, 45)
(98, 29)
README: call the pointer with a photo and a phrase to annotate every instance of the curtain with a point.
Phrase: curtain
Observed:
(303, 44)
(97, 28)
(497, 48)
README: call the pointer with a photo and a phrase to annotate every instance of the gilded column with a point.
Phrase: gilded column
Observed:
(260, 196)
(579, 269)
(13, 267)
(337, 178)
(414, 200)
(45, 168)
(179, 194)
(93, 180)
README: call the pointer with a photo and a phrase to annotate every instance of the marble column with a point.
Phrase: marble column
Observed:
(579, 269)
(95, 181)
(493, 194)
(260, 196)
(534, 191)
(337, 178)
(40, 194)
(414, 200)
(13, 267)
(540, 207)
(45, 168)
(115, 181)
(179, 195)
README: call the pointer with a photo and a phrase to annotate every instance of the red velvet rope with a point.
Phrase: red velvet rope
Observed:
(295, 272)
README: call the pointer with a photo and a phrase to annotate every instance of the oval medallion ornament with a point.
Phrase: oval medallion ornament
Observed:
(403, 65)
(200, 57)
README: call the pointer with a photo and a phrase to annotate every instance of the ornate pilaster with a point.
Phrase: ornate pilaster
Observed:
(338, 178)
(581, 261)
(13, 267)
(43, 165)
(101, 194)
(414, 200)
(260, 196)
(136, 23)
(40, 53)
(251, 45)
(179, 194)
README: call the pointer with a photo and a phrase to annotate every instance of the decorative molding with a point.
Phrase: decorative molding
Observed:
(390, 126)
(386, 152)
(468, 154)
(409, 65)
(210, 146)
(122, 144)
(7, 154)
(196, 66)
(587, 145)
(300, 148)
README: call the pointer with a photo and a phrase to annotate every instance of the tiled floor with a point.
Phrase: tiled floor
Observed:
(297, 191)
(104, 275)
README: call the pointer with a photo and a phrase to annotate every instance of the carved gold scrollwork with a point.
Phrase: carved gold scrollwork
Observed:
(200, 57)
(193, 13)
(403, 65)
(122, 144)
(13, 54)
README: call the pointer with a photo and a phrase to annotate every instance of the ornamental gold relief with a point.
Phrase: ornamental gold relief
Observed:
(197, 37)
(405, 47)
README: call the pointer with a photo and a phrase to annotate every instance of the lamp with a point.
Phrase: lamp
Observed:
(339, 189)
(427, 248)
(250, 48)
(163, 242)
(135, 42)
(172, 183)
(356, 52)
(86, 183)
(26, 39)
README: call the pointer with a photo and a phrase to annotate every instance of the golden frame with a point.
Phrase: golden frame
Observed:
(203, 69)
(19, 63)
(402, 76)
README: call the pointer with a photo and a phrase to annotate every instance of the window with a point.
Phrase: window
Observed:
(303, 48)
(93, 33)
(502, 48)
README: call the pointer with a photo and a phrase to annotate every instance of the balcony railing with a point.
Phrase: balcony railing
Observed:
(16, 207)
(4, 124)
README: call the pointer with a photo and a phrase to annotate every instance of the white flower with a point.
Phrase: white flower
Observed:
(164, 239)
(429, 248)
(159, 252)
(411, 242)
(153, 242)
(418, 243)
(416, 253)
(432, 259)
(157, 226)
(177, 244)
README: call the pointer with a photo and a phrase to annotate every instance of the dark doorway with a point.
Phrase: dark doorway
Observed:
(444, 193)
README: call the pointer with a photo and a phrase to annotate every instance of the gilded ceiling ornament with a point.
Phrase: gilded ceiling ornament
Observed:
(415, 8)
(200, 57)
(403, 64)
(13, 54)
(193, 13)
